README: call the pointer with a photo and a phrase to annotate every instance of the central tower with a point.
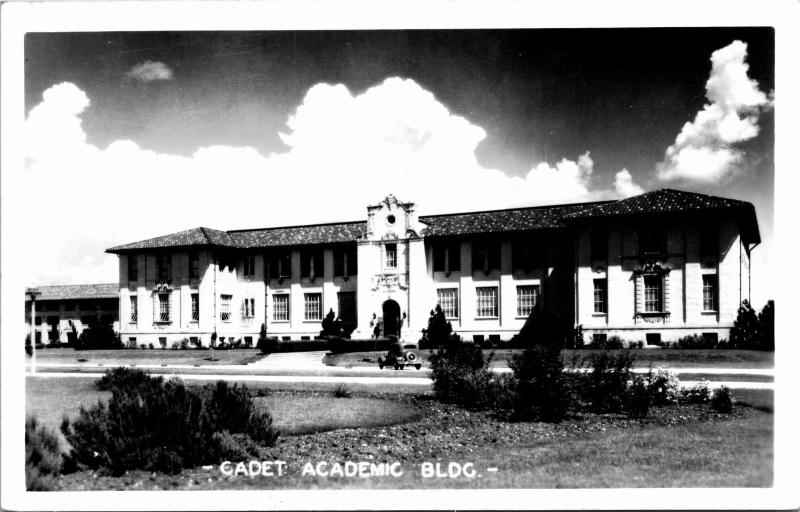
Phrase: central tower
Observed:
(391, 256)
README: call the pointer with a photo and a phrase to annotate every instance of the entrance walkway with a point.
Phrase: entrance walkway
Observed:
(291, 361)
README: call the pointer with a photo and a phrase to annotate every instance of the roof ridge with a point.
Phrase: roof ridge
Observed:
(297, 226)
(561, 205)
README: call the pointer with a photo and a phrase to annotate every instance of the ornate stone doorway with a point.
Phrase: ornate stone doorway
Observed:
(391, 318)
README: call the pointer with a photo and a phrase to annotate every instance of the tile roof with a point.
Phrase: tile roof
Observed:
(495, 221)
(501, 221)
(299, 235)
(673, 201)
(664, 200)
(77, 291)
(188, 238)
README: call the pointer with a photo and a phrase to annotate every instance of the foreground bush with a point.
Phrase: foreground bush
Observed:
(638, 398)
(121, 377)
(607, 384)
(664, 386)
(723, 400)
(165, 426)
(541, 389)
(43, 458)
(697, 394)
(461, 376)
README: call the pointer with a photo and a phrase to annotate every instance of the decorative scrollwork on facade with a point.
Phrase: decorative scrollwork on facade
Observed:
(389, 282)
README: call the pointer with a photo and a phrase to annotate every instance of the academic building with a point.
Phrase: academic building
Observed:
(650, 268)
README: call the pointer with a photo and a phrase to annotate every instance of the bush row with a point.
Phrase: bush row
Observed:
(159, 425)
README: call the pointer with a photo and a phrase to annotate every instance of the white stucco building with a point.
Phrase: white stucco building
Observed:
(649, 268)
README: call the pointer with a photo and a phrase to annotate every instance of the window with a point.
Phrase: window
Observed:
(709, 243)
(485, 256)
(194, 265)
(600, 287)
(195, 297)
(527, 298)
(448, 299)
(709, 292)
(249, 307)
(163, 307)
(249, 265)
(527, 255)
(599, 247)
(134, 309)
(225, 307)
(133, 269)
(599, 340)
(390, 260)
(653, 286)
(311, 263)
(652, 243)
(447, 257)
(653, 338)
(345, 262)
(164, 267)
(711, 339)
(347, 306)
(280, 307)
(280, 265)
(313, 306)
(486, 302)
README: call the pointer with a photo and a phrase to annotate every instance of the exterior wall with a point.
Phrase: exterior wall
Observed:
(565, 282)
(683, 286)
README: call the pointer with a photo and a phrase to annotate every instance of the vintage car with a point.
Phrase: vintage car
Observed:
(401, 355)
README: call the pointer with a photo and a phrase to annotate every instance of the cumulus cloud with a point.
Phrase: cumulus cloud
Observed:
(624, 185)
(343, 151)
(150, 71)
(705, 149)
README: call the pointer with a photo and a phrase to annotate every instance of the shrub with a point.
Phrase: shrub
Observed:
(610, 343)
(578, 340)
(723, 400)
(697, 394)
(636, 344)
(100, 335)
(695, 341)
(121, 377)
(461, 376)
(439, 329)
(543, 328)
(341, 391)
(745, 331)
(43, 458)
(608, 380)
(638, 398)
(165, 426)
(664, 386)
(766, 326)
(266, 345)
(541, 389)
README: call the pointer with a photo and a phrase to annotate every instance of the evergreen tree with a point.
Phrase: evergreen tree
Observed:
(745, 331)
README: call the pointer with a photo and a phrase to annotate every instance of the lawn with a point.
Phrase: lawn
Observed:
(294, 412)
(676, 358)
(147, 356)
(680, 446)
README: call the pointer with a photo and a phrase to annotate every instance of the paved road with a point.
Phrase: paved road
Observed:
(308, 367)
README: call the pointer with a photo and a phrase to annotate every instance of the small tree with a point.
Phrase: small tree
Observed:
(330, 327)
(766, 325)
(439, 329)
(745, 330)
(265, 344)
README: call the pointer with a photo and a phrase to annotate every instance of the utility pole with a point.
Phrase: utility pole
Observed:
(33, 293)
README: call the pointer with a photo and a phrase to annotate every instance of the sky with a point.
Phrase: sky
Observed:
(131, 135)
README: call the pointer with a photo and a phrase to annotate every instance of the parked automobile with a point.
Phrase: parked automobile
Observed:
(401, 355)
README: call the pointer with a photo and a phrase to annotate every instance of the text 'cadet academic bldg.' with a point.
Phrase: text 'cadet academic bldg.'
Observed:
(651, 268)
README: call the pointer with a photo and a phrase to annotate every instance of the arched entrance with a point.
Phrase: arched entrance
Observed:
(391, 318)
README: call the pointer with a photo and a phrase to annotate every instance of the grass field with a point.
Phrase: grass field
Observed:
(688, 446)
(644, 357)
(314, 410)
(147, 356)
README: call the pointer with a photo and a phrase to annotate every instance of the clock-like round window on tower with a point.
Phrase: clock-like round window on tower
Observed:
(390, 219)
